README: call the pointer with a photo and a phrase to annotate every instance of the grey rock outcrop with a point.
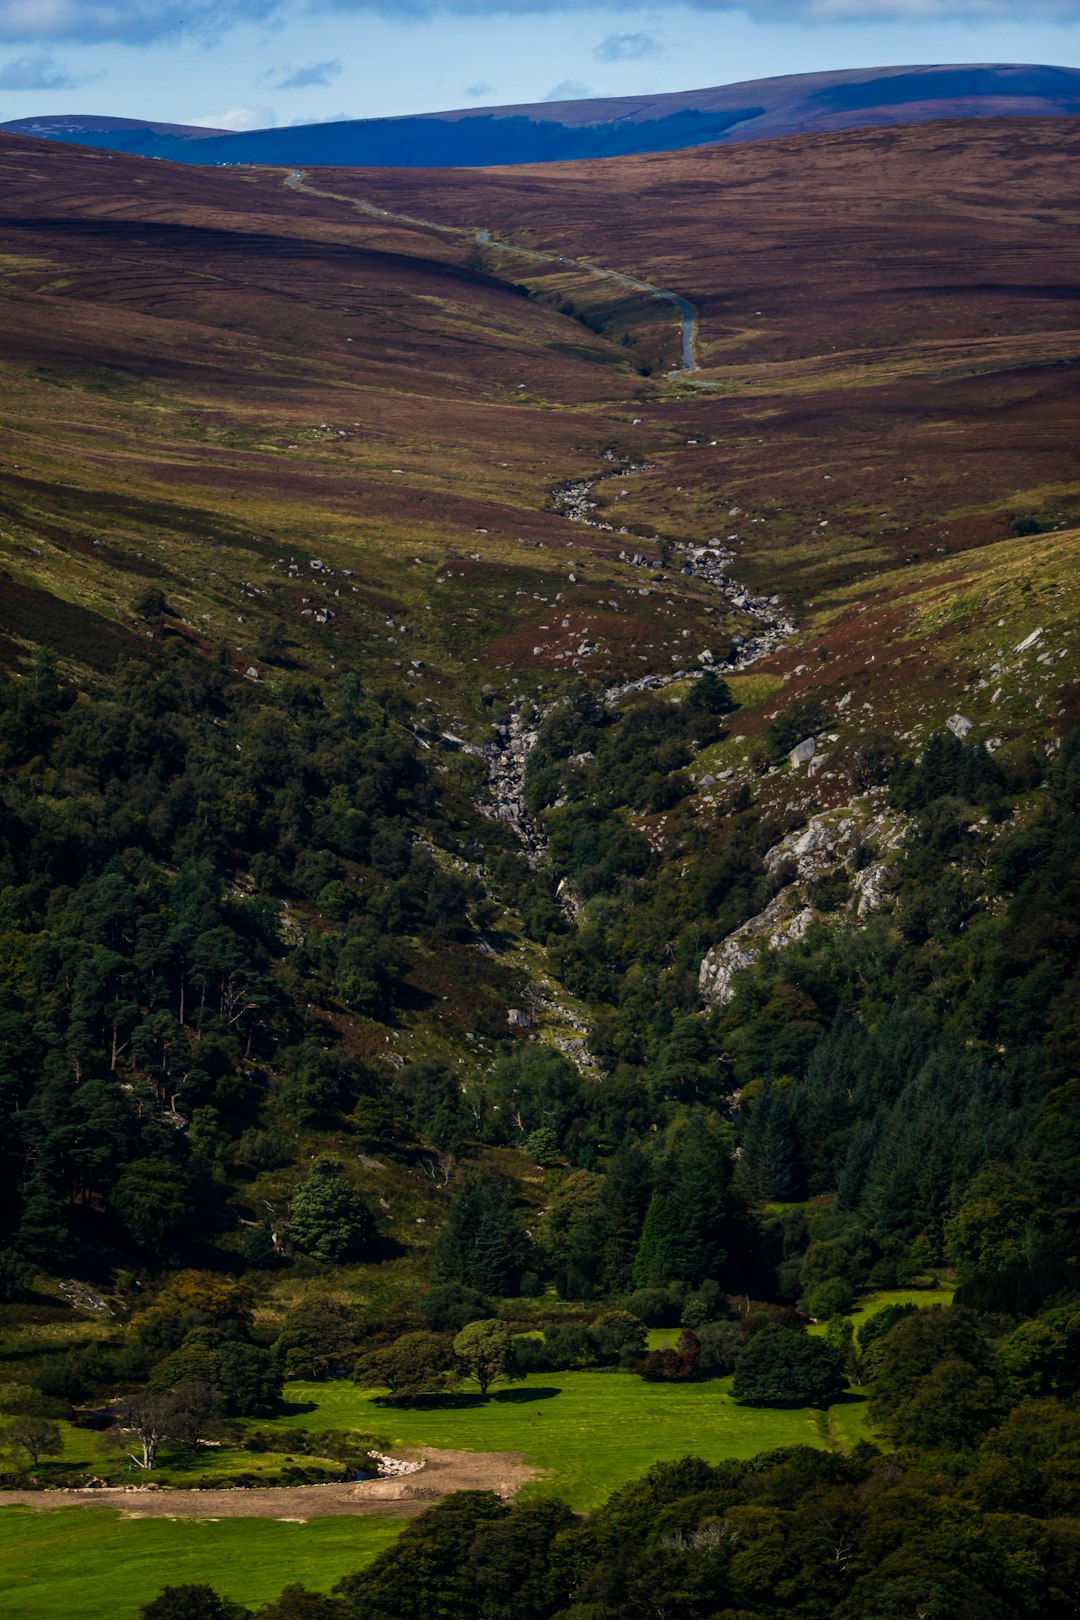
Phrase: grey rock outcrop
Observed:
(814, 851)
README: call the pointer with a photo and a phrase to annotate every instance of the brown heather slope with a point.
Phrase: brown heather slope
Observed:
(205, 375)
(814, 257)
(902, 303)
(890, 322)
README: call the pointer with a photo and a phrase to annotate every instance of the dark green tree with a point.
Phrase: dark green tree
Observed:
(779, 1367)
(485, 1352)
(770, 1143)
(251, 1380)
(483, 1243)
(328, 1219)
(296, 1603)
(710, 694)
(320, 1338)
(427, 1570)
(415, 1364)
(451, 1306)
(193, 1602)
(155, 1199)
(35, 1436)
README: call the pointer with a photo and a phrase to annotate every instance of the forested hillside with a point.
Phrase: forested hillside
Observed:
(505, 903)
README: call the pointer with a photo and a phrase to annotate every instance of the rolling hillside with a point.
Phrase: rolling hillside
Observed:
(539, 774)
(575, 130)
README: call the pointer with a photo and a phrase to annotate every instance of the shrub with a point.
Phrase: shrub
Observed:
(832, 1298)
(653, 1306)
(720, 1344)
(618, 1337)
(452, 1306)
(414, 1365)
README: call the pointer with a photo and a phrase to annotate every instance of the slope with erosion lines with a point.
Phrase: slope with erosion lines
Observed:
(218, 385)
(483, 237)
(894, 314)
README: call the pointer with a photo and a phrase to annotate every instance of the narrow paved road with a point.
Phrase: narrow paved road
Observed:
(688, 313)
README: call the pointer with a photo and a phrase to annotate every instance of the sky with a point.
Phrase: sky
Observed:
(247, 64)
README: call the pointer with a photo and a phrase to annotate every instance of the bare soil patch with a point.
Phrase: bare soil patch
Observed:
(444, 1471)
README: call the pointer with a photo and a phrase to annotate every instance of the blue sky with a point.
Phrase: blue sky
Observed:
(244, 64)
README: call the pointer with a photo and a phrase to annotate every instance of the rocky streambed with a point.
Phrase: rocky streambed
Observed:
(507, 754)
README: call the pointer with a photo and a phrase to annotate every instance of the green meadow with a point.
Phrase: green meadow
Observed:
(95, 1564)
(922, 1298)
(590, 1432)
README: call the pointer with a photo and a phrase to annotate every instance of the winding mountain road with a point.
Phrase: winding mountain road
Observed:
(688, 313)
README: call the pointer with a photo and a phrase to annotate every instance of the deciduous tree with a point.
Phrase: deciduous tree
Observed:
(485, 1350)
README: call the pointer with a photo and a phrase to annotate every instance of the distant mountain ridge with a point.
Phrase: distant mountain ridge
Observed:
(609, 127)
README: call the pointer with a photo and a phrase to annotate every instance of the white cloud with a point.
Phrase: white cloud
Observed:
(139, 22)
(567, 90)
(41, 73)
(812, 11)
(237, 118)
(133, 22)
(303, 78)
(627, 48)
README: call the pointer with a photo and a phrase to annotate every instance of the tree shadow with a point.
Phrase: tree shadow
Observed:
(522, 1397)
(295, 1408)
(464, 1400)
(434, 1402)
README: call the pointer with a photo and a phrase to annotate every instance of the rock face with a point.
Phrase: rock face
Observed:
(781, 923)
(802, 753)
(815, 851)
(960, 725)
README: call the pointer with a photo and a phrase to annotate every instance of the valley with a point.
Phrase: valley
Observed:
(539, 770)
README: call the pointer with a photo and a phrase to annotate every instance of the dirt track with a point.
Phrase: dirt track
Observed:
(443, 1471)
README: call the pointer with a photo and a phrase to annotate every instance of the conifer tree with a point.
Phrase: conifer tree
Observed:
(654, 1259)
(772, 1147)
(625, 1199)
(483, 1243)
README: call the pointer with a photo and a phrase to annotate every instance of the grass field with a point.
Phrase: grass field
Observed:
(590, 1431)
(921, 1298)
(92, 1563)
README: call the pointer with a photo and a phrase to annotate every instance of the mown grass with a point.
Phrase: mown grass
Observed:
(591, 1432)
(96, 1564)
(870, 1304)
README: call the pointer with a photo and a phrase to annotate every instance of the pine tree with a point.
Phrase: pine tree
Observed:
(655, 1258)
(626, 1197)
(771, 1146)
(700, 1194)
(483, 1243)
